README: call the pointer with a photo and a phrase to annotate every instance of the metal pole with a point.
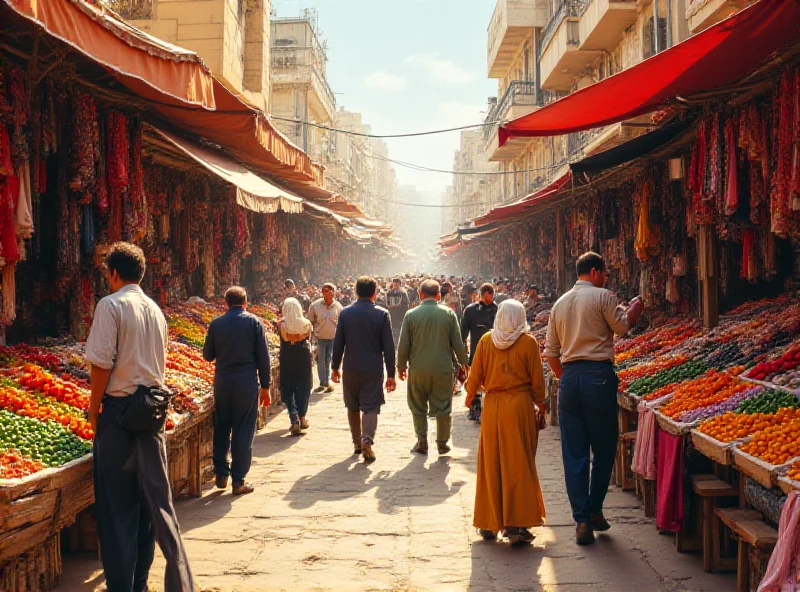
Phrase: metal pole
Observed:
(669, 23)
(655, 26)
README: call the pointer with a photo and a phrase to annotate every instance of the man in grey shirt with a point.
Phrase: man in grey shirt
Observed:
(324, 315)
(127, 349)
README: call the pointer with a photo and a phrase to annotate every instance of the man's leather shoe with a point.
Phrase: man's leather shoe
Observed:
(242, 488)
(421, 447)
(221, 482)
(584, 534)
(599, 522)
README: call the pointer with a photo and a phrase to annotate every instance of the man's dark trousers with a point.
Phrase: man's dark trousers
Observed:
(235, 415)
(133, 506)
(587, 411)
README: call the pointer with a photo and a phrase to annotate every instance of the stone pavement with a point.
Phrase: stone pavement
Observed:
(320, 519)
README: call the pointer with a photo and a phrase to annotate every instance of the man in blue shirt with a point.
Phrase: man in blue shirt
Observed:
(238, 343)
(364, 340)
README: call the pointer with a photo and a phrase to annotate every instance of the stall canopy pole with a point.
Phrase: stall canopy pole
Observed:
(709, 262)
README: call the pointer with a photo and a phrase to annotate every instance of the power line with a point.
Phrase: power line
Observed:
(417, 205)
(424, 169)
(408, 135)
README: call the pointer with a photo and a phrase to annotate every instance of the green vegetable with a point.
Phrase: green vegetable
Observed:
(46, 441)
(767, 402)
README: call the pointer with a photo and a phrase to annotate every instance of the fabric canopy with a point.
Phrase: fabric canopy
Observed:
(630, 150)
(252, 192)
(520, 206)
(176, 85)
(717, 57)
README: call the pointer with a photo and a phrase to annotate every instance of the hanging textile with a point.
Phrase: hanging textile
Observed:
(783, 570)
(669, 497)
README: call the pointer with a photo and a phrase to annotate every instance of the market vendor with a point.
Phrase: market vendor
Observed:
(580, 350)
(237, 342)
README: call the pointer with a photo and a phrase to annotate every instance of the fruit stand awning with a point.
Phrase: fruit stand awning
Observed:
(718, 57)
(252, 192)
(176, 85)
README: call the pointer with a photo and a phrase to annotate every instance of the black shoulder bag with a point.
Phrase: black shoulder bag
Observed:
(146, 410)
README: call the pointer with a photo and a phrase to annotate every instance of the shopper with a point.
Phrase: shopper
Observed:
(237, 342)
(127, 350)
(398, 305)
(324, 316)
(293, 292)
(508, 366)
(364, 342)
(428, 340)
(477, 321)
(295, 359)
(580, 351)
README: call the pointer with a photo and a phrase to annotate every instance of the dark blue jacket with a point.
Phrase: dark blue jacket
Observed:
(238, 343)
(364, 339)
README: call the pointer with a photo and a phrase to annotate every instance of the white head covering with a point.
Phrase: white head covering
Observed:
(293, 319)
(509, 324)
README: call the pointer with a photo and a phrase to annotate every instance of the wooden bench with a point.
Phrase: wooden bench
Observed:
(623, 474)
(756, 541)
(709, 491)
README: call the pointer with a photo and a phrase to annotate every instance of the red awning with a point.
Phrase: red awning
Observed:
(519, 207)
(717, 57)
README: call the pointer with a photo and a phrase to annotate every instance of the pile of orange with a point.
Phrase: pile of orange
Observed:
(777, 444)
(735, 426)
(794, 471)
(709, 389)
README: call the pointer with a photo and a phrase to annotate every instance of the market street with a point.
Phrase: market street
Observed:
(321, 519)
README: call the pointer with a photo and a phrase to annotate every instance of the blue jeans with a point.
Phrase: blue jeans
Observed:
(324, 357)
(587, 411)
(235, 416)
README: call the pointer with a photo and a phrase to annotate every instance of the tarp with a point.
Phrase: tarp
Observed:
(630, 150)
(252, 192)
(176, 85)
(520, 206)
(719, 56)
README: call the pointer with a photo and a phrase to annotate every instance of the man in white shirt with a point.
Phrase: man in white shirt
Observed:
(580, 350)
(127, 349)
(324, 316)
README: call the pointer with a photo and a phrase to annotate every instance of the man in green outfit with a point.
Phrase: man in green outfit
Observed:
(428, 341)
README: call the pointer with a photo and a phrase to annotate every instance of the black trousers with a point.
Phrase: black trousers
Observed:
(133, 506)
(235, 417)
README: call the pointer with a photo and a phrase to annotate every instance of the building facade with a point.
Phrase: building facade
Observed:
(232, 37)
(542, 50)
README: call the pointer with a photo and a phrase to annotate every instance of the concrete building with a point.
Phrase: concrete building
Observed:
(232, 37)
(542, 50)
(416, 226)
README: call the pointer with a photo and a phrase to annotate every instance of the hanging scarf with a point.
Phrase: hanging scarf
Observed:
(509, 324)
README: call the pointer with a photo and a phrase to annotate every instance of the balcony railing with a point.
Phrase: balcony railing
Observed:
(519, 92)
(304, 57)
(564, 9)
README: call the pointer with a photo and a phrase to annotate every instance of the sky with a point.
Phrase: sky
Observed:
(408, 66)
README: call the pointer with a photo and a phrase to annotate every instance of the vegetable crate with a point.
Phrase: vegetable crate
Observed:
(33, 510)
(187, 445)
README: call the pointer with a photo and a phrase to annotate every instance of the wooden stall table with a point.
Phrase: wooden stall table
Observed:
(710, 489)
(756, 541)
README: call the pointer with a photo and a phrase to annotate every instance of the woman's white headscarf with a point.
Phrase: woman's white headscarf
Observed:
(509, 324)
(293, 319)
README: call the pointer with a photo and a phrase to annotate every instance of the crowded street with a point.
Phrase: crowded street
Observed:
(323, 520)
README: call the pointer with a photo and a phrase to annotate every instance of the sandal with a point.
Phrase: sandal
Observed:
(518, 536)
(488, 535)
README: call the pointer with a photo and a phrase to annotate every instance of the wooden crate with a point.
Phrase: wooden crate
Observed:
(712, 449)
(763, 473)
(185, 449)
(36, 569)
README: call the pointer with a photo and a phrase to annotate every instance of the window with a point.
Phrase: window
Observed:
(648, 38)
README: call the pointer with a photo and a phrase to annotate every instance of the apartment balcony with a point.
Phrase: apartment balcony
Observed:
(521, 98)
(511, 22)
(302, 66)
(561, 57)
(701, 14)
(604, 22)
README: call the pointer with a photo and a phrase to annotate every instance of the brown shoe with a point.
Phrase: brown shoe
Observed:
(442, 447)
(243, 488)
(295, 429)
(329, 388)
(518, 536)
(369, 455)
(356, 449)
(598, 522)
(421, 447)
(584, 534)
(221, 482)
(304, 425)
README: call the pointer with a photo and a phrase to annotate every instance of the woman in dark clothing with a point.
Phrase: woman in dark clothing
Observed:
(295, 366)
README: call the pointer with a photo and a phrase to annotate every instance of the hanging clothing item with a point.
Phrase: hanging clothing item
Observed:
(783, 570)
(9, 294)
(669, 497)
(732, 185)
(24, 215)
(644, 453)
(8, 238)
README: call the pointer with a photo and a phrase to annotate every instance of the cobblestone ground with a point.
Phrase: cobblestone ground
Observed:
(322, 520)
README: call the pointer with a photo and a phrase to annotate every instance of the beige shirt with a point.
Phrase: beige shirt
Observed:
(583, 323)
(129, 336)
(324, 318)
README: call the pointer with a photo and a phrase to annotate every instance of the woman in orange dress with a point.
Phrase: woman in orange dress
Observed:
(508, 368)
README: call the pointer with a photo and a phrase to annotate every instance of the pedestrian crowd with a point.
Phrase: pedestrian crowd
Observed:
(438, 334)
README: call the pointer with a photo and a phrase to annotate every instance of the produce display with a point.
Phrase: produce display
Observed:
(783, 371)
(710, 389)
(44, 390)
(777, 444)
(794, 471)
(768, 401)
(736, 426)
